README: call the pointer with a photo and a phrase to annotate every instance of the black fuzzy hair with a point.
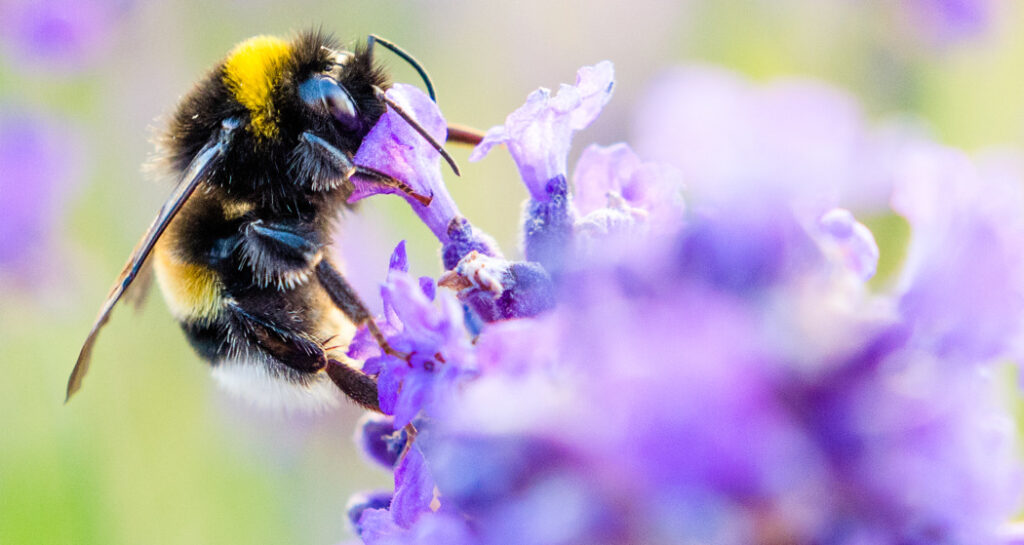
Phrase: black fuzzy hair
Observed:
(258, 168)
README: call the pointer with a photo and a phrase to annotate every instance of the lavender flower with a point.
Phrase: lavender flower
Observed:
(721, 373)
(500, 290)
(966, 232)
(393, 147)
(433, 348)
(667, 388)
(617, 193)
(538, 136)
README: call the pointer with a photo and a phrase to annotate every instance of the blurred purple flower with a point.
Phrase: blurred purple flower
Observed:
(401, 519)
(673, 395)
(966, 232)
(57, 35)
(438, 528)
(798, 140)
(618, 194)
(849, 241)
(946, 21)
(38, 162)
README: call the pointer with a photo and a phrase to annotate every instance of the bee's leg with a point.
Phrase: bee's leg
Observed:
(279, 253)
(305, 355)
(342, 162)
(346, 299)
(355, 384)
(292, 348)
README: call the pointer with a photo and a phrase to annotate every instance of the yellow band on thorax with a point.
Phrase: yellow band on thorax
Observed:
(251, 71)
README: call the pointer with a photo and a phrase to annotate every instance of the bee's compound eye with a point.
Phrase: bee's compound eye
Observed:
(323, 94)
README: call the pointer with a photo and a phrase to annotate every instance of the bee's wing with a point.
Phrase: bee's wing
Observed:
(205, 162)
(136, 294)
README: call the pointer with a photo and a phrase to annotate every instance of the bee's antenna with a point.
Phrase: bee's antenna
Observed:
(419, 128)
(373, 38)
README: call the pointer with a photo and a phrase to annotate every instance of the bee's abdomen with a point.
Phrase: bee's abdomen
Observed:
(207, 339)
(194, 292)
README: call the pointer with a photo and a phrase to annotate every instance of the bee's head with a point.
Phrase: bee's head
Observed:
(300, 104)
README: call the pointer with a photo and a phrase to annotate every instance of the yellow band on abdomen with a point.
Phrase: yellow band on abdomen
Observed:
(193, 292)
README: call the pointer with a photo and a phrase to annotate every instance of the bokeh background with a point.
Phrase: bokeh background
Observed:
(150, 451)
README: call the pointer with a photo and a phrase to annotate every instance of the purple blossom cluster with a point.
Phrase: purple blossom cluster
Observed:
(703, 363)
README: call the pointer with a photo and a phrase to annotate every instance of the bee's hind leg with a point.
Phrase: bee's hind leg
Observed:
(305, 355)
(355, 384)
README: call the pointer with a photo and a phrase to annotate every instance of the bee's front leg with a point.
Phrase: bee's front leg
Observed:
(280, 253)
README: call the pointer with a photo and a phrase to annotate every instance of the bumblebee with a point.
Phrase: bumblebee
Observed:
(262, 149)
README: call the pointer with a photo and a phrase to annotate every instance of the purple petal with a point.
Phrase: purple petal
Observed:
(796, 140)
(428, 287)
(414, 489)
(417, 390)
(412, 307)
(607, 176)
(360, 503)
(399, 262)
(378, 438)
(389, 381)
(393, 147)
(539, 133)
(377, 527)
(962, 282)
